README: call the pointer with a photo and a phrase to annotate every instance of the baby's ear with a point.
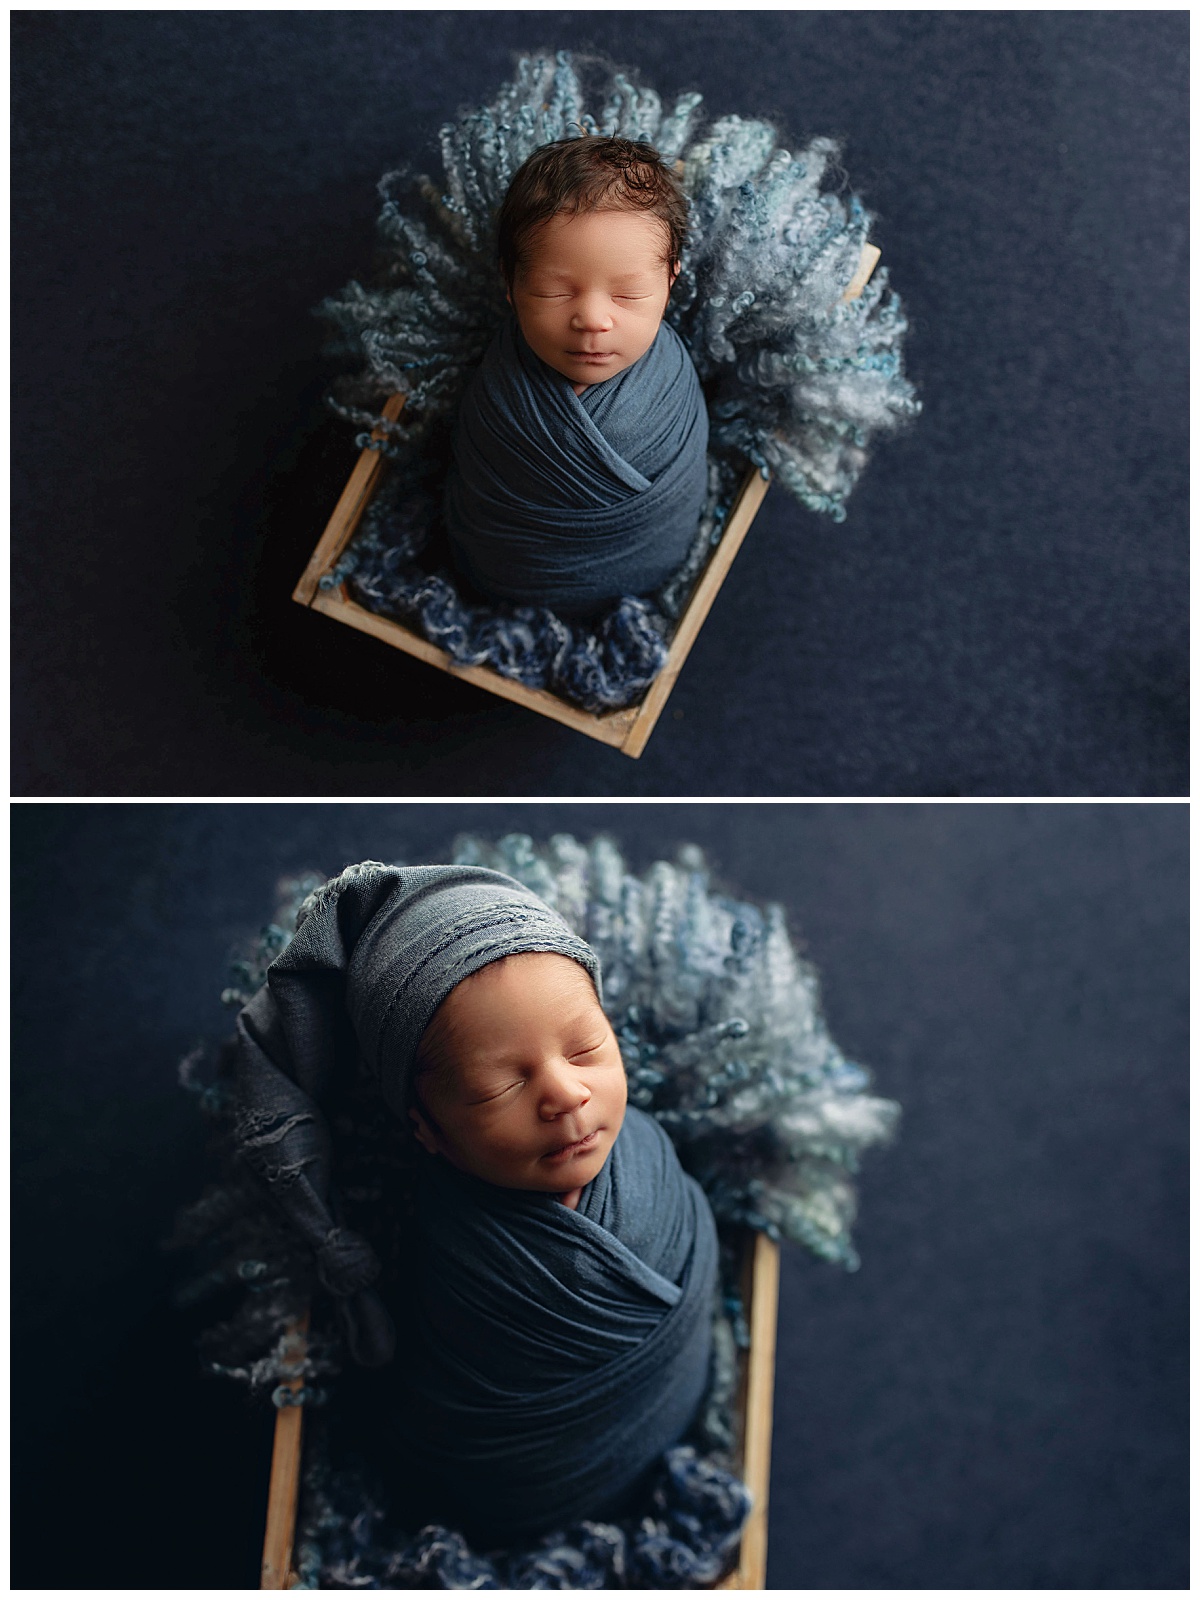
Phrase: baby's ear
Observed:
(426, 1137)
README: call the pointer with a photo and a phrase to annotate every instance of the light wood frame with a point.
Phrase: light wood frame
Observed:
(756, 1395)
(627, 730)
(283, 1493)
(760, 1298)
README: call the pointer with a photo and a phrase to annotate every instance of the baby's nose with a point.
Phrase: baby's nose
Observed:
(592, 312)
(563, 1091)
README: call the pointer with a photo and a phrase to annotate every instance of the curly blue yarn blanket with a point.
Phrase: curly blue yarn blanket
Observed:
(796, 380)
(559, 1353)
(725, 1047)
(573, 501)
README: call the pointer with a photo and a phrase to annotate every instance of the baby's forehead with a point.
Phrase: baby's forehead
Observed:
(494, 1008)
(559, 234)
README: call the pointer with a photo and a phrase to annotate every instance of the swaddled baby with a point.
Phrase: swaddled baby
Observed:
(556, 1330)
(579, 468)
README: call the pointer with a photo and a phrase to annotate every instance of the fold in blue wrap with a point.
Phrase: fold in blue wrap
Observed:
(574, 501)
(557, 1353)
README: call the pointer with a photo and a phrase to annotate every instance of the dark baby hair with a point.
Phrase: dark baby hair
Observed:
(589, 174)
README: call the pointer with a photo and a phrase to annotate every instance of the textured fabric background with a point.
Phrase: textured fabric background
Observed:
(997, 1398)
(1004, 611)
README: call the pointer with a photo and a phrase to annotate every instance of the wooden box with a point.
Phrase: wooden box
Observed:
(760, 1296)
(628, 729)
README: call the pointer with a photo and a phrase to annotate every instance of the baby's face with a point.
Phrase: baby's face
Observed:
(529, 1087)
(592, 292)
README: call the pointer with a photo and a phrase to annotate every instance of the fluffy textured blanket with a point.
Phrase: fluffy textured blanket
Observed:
(557, 1353)
(572, 501)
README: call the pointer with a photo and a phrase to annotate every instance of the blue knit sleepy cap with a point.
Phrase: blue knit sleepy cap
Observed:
(401, 938)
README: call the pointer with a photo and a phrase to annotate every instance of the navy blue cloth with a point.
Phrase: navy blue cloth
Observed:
(574, 501)
(558, 1353)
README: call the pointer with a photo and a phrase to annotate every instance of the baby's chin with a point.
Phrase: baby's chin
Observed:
(581, 1175)
(522, 1169)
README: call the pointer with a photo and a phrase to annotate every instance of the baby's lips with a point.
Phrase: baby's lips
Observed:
(562, 1148)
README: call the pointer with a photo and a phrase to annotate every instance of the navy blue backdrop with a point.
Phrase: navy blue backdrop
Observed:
(996, 1399)
(1004, 612)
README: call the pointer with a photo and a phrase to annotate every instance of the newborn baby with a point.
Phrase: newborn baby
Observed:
(556, 1318)
(580, 468)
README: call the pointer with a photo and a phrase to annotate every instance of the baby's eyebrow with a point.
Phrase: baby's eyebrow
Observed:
(562, 272)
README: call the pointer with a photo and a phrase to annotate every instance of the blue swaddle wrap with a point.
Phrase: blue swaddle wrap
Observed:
(573, 501)
(558, 1353)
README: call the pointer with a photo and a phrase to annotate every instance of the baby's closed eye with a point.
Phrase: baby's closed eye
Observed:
(484, 1097)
